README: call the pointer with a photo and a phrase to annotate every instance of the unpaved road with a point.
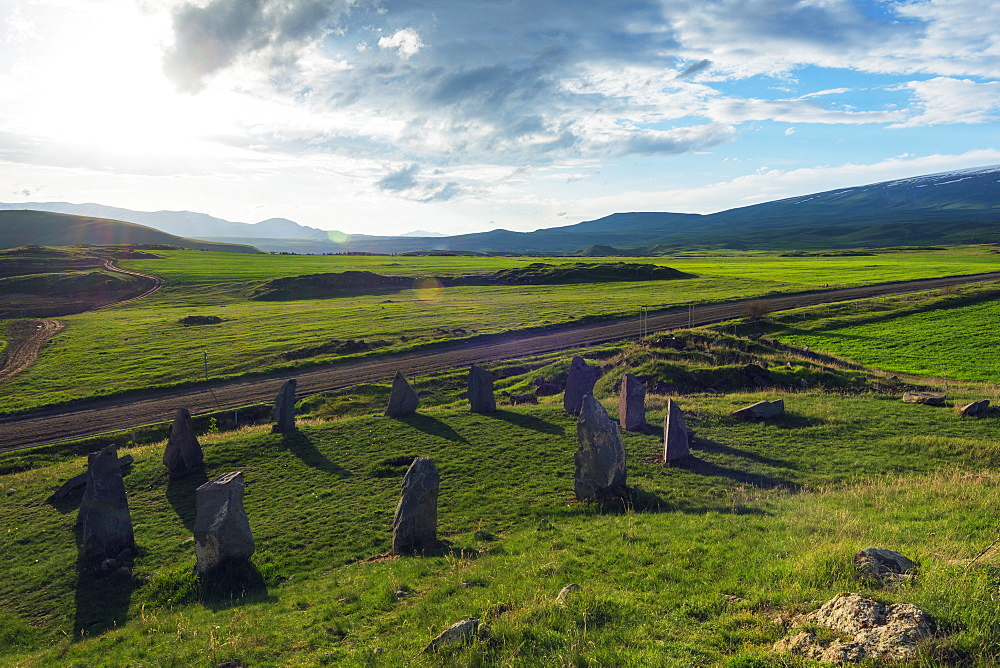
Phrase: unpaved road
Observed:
(106, 415)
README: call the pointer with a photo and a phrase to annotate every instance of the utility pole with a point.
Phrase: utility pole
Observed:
(205, 353)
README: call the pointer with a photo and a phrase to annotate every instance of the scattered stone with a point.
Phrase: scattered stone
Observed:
(106, 525)
(403, 400)
(975, 409)
(600, 458)
(676, 435)
(77, 482)
(579, 383)
(761, 410)
(221, 528)
(929, 398)
(518, 399)
(875, 631)
(883, 567)
(566, 591)
(284, 409)
(183, 452)
(546, 388)
(632, 404)
(457, 632)
(200, 320)
(414, 526)
(481, 399)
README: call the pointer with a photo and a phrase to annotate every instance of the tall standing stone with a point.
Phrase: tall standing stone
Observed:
(221, 528)
(632, 404)
(284, 408)
(676, 435)
(104, 519)
(600, 457)
(414, 526)
(579, 383)
(403, 399)
(183, 452)
(481, 399)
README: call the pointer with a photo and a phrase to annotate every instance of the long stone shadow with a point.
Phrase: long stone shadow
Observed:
(697, 465)
(101, 600)
(531, 422)
(433, 426)
(707, 445)
(232, 584)
(181, 495)
(300, 445)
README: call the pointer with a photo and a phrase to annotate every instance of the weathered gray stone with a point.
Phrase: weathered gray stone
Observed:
(600, 457)
(929, 398)
(414, 526)
(481, 399)
(221, 528)
(106, 525)
(632, 404)
(457, 632)
(579, 383)
(284, 408)
(403, 399)
(876, 631)
(884, 567)
(761, 410)
(676, 435)
(79, 481)
(183, 452)
(976, 408)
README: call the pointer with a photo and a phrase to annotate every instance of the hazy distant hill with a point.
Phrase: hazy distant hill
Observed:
(43, 228)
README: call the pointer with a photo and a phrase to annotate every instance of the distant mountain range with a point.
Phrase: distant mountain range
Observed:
(952, 207)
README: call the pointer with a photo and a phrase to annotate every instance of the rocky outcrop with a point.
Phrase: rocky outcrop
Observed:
(676, 435)
(183, 452)
(403, 399)
(481, 399)
(632, 404)
(104, 519)
(883, 567)
(414, 526)
(761, 410)
(600, 457)
(221, 528)
(284, 408)
(579, 383)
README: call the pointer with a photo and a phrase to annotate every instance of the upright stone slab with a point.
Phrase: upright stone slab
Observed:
(183, 452)
(676, 435)
(221, 528)
(106, 525)
(600, 457)
(414, 526)
(284, 408)
(632, 404)
(481, 399)
(579, 383)
(403, 400)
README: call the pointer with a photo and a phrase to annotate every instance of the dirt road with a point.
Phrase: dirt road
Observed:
(106, 415)
(26, 338)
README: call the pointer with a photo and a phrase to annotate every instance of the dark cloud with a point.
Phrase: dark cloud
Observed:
(694, 68)
(405, 182)
(402, 179)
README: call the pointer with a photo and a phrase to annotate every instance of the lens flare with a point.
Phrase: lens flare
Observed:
(430, 290)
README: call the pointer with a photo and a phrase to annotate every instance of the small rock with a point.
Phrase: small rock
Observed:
(883, 566)
(566, 591)
(457, 632)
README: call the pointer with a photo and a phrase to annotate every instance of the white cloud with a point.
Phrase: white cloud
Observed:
(406, 43)
(944, 100)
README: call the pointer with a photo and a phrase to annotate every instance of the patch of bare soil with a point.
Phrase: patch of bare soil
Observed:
(26, 340)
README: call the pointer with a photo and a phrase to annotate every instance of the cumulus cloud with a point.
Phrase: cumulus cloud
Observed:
(404, 182)
(943, 100)
(406, 43)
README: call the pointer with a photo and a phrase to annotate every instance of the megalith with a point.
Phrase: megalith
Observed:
(284, 408)
(632, 404)
(600, 457)
(183, 452)
(579, 383)
(414, 526)
(761, 410)
(403, 399)
(104, 519)
(221, 528)
(676, 435)
(976, 408)
(481, 399)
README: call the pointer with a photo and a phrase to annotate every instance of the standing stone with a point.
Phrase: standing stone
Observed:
(183, 452)
(600, 458)
(579, 383)
(414, 526)
(481, 399)
(632, 404)
(403, 400)
(284, 409)
(104, 517)
(221, 527)
(676, 435)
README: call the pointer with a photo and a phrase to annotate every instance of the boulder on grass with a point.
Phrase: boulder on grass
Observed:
(284, 409)
(929, 398)
(481, 399)
(632, 404)
(221, 528)
(883, 567)
(104, 519)
(414, 526)
(975, 409)
(403, 399)
(761, 410)
(579, 383)
(183, 452)
(600, 458)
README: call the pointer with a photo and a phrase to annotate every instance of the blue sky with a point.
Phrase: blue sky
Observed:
(382, 116)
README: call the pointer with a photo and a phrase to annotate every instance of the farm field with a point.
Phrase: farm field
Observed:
(143, 344)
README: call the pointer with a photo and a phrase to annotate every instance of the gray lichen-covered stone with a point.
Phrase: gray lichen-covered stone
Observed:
(481, 399)
(183, 452)
(403, 399)
(579, 383)
(457, 632)
(676, 435)
(600, 457)
(414, 526)
(221, 528)
(761, 410)
(284, 408)
(632, 404)
(882, 566)
(974, 409)
(104, 519)
(929, 398)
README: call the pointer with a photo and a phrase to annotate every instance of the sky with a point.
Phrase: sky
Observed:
(454, 116)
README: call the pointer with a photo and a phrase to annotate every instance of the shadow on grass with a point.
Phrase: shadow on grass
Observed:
(525, 421)
(701, 467)
(706, 445)
(300, 445)
(233, 583)
(181, 495)
(433, 426)
(102, 601)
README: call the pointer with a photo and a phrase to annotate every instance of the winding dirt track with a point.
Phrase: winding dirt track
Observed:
(107, 415)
